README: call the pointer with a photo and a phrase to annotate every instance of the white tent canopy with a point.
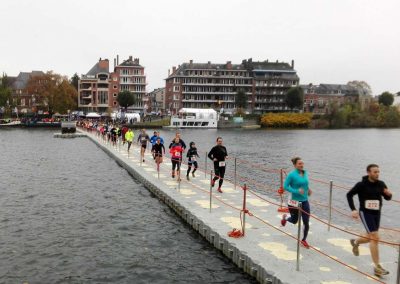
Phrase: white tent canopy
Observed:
(93, 115)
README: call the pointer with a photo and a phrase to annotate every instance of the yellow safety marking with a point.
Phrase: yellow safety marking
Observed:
(206, 204)
(264, 210)
(324, 269)
(186, 191)
(335, 282)
(149, 169)
(206, 181)
(257, 202)
(345, 245)
(279, 250)
(266, 235)
(234, 222)
(170, 182)
(228, 212)
(227, 189)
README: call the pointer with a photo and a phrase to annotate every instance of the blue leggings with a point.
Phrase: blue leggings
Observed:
(294, 216)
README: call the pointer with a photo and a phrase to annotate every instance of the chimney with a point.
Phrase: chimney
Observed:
(292, 63)
(130, 57)
(191, 62)
(250, 60)
(173, 69)
(277, 61)
(229, 65)
(169, 72)
(117, 59)
(115, 62)
(100, 59)
(267, 60)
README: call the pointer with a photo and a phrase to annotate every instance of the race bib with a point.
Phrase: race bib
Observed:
(222, 164)
(293, 203)
(177, 154)
(143, 139)
(193, 158)
(372, 204)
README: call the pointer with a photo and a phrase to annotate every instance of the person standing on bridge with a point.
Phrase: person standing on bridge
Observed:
(370, 191)
(297, 183)
(218, 154)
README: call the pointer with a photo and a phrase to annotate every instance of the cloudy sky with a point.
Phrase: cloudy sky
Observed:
(331, 41)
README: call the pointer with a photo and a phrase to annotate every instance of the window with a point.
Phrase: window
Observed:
(176, 88)
(115, 103)
(22, 102)
(103, 97)
(115, 86)
(115, 95)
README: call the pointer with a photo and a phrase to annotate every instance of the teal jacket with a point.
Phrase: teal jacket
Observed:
(293, 182)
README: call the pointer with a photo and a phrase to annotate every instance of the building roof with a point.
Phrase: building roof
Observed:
(21, 81)
(331, 89)
(246, 65)
(100, 67)
(130, 62)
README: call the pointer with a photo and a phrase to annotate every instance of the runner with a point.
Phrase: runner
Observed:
(218, 154)
(143, 139)
(124, 130)
(157, 150)
(129, 138)
(296, 183)
(113, 133)
(153, 139)
(192, 156)
(178, 135)
(370, 191)
(176, 151)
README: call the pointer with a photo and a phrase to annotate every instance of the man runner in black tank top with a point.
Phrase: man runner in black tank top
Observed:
(370, 192)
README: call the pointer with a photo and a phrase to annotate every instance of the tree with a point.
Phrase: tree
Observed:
(126, 99)
(362, 87)
(53, 92)
(74, 81)
(294, 98)
(5, 91)
(240, 101)
(386, 99)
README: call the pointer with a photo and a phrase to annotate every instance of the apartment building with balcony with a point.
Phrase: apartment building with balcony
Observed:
(98, 89)
(131, 77)
(209, 85)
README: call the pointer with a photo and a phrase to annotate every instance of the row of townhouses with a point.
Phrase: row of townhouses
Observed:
(194, 85)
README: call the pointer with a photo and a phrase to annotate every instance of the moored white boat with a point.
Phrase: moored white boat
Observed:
(194, 118)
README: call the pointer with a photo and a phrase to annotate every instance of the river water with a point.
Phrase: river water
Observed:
(70, 214)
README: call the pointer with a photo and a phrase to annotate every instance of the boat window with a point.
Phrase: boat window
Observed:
(176, 123)
(190, 123)
(197, 123)
(184, 123)
(205, 123)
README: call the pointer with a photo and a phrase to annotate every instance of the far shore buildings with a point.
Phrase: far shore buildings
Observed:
(98, 88)
(24, 101)
(211, 85)
(319, 98)
(156, 100)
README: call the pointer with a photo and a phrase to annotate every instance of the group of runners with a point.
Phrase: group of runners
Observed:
(370, 190)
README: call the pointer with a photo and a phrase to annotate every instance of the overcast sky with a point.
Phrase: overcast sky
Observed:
(331, 41)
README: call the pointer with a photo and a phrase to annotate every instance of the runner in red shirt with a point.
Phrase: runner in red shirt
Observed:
(176, 151)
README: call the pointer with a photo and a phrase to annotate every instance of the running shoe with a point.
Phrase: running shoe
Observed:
(179, 179)
(143, 160)
(193, 175)
(219, 190)
(212, 183)
(380, 271)
(173, 176)
(187, 177)
(305, 244)
(356, 251)
(284, 221)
